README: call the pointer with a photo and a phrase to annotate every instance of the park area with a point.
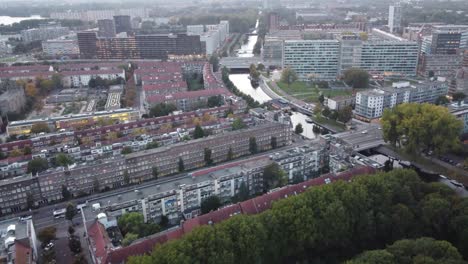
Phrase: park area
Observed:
(309, 92)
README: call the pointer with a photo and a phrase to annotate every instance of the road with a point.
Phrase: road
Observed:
(364, 137)
(458, 190)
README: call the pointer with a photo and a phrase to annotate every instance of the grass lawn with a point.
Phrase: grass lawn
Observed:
(329, 122)
(308, 93)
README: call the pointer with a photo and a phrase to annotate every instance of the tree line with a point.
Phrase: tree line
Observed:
(331, 224)
(231, 87)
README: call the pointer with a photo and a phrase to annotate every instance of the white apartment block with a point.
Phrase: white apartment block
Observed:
(212, 35)
(82, 78)
(60, 47)
(318, 59)
(394, 18)
(43, 33)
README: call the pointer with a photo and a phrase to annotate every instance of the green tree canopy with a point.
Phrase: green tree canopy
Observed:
(419, 127)
(298, 129)
(40, 128)
(238, 124)
(422, 250)
(134, 223)
(288, 76)
(37, 165)
(63, 160)
(214, 61)
(253, 148)
(357, 78)
(273, 177)
(198, 132)
(210, 204)
(162, 109)
(459, 97)
(70, 211)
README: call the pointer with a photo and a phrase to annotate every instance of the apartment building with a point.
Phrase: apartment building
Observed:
(106, 28)
(56, 123)
(59, 47)
(82, 78)
(136, 167)
(44, 32)
(316, 59)
(370, 104)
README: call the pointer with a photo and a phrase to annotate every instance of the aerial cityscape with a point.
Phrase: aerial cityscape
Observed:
(244, 131)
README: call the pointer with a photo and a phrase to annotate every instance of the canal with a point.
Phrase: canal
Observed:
(243, 84)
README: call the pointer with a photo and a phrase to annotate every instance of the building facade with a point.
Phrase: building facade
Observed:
(60, 47)
(317, 59)
(106, 28)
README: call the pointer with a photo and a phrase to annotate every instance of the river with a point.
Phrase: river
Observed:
(8, 20)
(243, 84)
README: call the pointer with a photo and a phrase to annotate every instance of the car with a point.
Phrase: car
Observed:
(454, 182)
(49, 246)
(25, 218)
(443, 176)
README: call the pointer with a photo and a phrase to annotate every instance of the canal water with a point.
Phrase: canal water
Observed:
(243, 84)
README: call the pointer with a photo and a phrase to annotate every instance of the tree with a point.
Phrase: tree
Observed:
(129, 238)
(207, 156)
(214, 61)
(422, 250)
(253, 145)
(126, 177)
(27, 150)
(441, 100)
(63, 160)
(66, 194)
(57, 80)
(321, 99)
(345, 114)
(37, 165)
(388, 165)
(209, 204)
(41, 127)
(257, 47)
(215, 101)
(273, 142)
(254, 74)
(29, 200)
(357, 78)
(126, 150)
(46, 235)
(260, 67)
(230, 154)
(70, 211)
(288, 76)
(198, 132)
(316, 129)
(298, 129)
(164, 221)
(431, 74)
(71, 230)
(326, 111)
(134, 223)
(30, 90)
(162, 109)
(242, 194)
(155, 172)
(238, 124)
(74, 244)
(421, 127)
(318, 109)
(273, 177)
(459, 97)
(180, 165)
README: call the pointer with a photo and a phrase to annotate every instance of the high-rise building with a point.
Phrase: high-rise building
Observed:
(317, 59)
(44, 32)
(106, 28)
(394, 18)
(160, 46)
(87, 41)
(273, 21)
(117, 48)
(122, 24)
(447, 39)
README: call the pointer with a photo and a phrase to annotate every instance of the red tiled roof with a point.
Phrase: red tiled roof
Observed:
(97, 233)
(166, 85)
(32, 74)
(92, 72)
(187, 95)
(25, 68)
(22, 252)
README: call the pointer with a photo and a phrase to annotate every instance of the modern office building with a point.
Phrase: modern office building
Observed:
(87, 43)
(160, 46)
(445, 39)
(106, 28)
(370, 104)
(317, 59)
(117, 48)
(122, 24)
(394, 18)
